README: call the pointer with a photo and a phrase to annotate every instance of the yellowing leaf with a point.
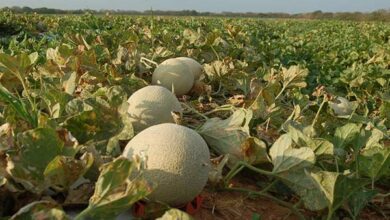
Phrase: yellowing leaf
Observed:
(231, 136)
(40, 210)
(294, 76)
(116, 190)
(37, 148)
(286, 158)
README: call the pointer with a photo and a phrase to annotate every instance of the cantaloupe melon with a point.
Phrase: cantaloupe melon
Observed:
(177, 162)
(193, 65)
(152, 105)
(174, 75)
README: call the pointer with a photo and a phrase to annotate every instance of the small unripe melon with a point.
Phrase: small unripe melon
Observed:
(174, 74)
(152, 105)
(194, 66)
(177, 162)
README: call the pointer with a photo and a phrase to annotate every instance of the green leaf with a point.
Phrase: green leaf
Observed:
(175, 214)
(69, 82)
(59, 55)
(94, 125)
(336, 187)
(374, 162)
(116, 96)
(294, 159)
(300, 181)
(40, 210)
(301, 139)
(63, 171)
(56, 101)
(384, 110)
(283, 143)
(37, 148)
(33, 57)
(359, 200)
(3, 181)
(77, 106)
(345, 135)
(321, 147)
(294, 76)
(286, 158)
(126, 133)
(345, 188)
(99, 122)
(256, 216)
(20, 106)
(14, 65)
(361, 140)
(259, 106)
(231, 136)
(320, 189)
(375, 137)
(264, 106)
(115, 192)
(326, 182)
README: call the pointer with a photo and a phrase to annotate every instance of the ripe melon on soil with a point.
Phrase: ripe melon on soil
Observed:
(152, 105)
(177, 162)
(174, 75)
(193, 65)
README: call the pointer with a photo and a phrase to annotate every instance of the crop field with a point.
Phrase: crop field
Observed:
(287, 119)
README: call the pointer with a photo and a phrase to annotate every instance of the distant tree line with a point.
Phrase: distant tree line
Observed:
(379, 15)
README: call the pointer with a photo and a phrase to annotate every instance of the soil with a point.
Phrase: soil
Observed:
(235, 205)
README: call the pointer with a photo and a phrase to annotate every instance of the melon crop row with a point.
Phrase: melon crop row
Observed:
(177, 157)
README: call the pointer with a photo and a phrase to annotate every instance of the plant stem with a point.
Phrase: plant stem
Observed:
(337, 164)
(269, 186)
(219, 88)
(219, 109)
(378, 210)
(241, 165)
(143, 59)
(195, 111)
(215, 52)
(357, 164)
(83, 215)
(233, 172)
(383, 195)
(318, 112)
(330, 214)
(255, 169)
(280, 93)
(18, 105)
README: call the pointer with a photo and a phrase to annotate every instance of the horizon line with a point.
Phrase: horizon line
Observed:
(220, 12)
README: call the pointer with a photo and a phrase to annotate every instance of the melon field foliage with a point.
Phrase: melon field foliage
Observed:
(296, 113)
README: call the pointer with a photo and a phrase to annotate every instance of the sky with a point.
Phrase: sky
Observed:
(289, 6)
